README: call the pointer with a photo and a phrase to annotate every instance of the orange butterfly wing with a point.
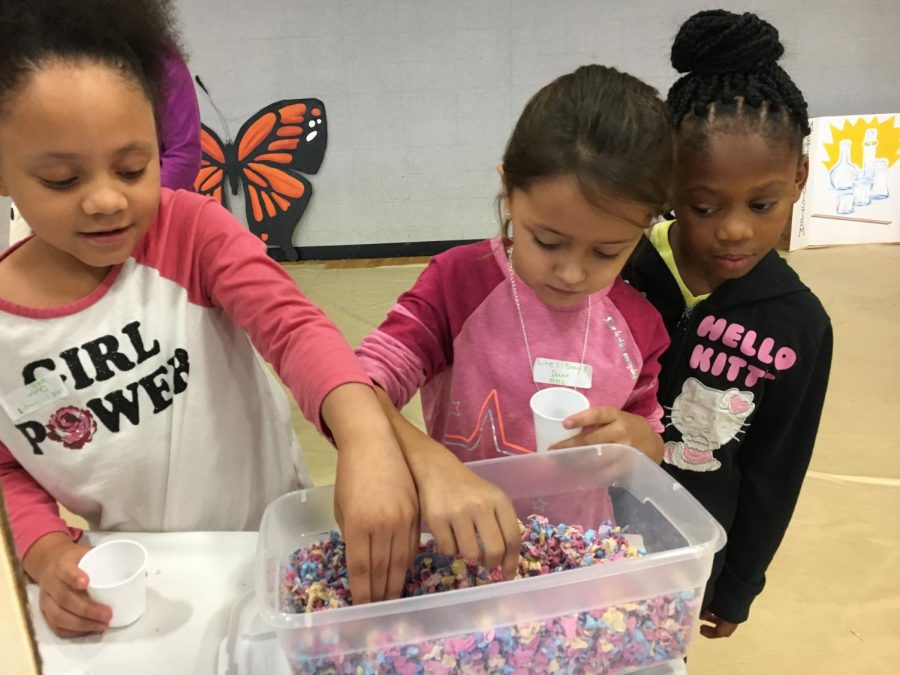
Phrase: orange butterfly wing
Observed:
(271, 150)
(210, 179)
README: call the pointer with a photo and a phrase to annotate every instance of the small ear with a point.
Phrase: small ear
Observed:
(801, 176)
(503, 187)
(504, 193)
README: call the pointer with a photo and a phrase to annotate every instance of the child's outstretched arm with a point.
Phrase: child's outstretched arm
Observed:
(49, 553)
(221, 264)
(774, 457)
(412, 346)
(461, 508)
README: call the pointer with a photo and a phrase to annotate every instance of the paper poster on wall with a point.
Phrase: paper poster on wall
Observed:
(266, 159)
(853, 192)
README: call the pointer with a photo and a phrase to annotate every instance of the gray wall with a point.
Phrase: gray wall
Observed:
(422, 94)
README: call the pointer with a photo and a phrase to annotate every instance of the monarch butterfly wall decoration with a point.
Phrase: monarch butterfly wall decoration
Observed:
(267, 158)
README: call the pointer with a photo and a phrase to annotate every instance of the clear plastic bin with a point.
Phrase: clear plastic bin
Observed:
(593, 619)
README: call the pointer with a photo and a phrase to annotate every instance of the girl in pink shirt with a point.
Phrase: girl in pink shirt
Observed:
(584, 174)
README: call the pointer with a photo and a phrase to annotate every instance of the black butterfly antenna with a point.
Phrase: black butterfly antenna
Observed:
(216, 108)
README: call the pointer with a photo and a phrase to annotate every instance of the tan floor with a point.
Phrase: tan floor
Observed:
(832, 604)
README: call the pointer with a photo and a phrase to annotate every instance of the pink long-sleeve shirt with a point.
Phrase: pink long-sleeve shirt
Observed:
(456, 335)
(147, 405)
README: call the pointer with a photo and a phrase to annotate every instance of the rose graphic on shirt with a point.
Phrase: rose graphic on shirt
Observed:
(71, 426)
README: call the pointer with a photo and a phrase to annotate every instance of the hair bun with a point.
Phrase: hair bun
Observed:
(718, 41)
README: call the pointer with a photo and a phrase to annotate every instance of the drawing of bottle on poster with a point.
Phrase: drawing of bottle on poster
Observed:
(853, 192)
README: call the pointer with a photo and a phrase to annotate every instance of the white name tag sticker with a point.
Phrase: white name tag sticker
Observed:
(34, 396)
(563, 373)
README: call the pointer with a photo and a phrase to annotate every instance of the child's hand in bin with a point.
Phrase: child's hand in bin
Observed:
(461, 509)
(52, 561)
(375, 501)
(714, 627)
(611, 425)
(376, 508)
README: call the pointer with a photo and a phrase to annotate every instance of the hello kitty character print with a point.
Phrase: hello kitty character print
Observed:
(707, 419)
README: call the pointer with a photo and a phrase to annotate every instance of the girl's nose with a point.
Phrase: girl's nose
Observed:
(104, 200)
(734, 229)
(570, 272)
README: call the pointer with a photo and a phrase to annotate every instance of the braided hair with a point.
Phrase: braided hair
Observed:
(732, 74)
(134, 37)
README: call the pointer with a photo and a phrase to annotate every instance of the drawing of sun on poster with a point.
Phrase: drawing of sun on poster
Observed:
(853, 192)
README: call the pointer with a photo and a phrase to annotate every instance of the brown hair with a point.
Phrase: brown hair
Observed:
(607, 128)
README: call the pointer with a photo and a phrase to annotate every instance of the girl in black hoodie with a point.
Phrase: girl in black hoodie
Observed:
(744, 381)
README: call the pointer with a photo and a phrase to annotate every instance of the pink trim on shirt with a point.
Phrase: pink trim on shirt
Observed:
(62, 310)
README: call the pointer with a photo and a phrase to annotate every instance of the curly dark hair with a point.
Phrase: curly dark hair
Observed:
(733, 75)
(607, 128)
(135, 37)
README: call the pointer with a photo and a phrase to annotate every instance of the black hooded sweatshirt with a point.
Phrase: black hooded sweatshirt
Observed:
(742, 386)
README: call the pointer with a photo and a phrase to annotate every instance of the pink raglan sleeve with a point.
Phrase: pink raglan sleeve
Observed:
(414, 342)
(207, 250)
(32, 511)
(649, 331)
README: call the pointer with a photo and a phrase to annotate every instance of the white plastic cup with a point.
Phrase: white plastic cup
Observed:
(550, 407)
(117, 578)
